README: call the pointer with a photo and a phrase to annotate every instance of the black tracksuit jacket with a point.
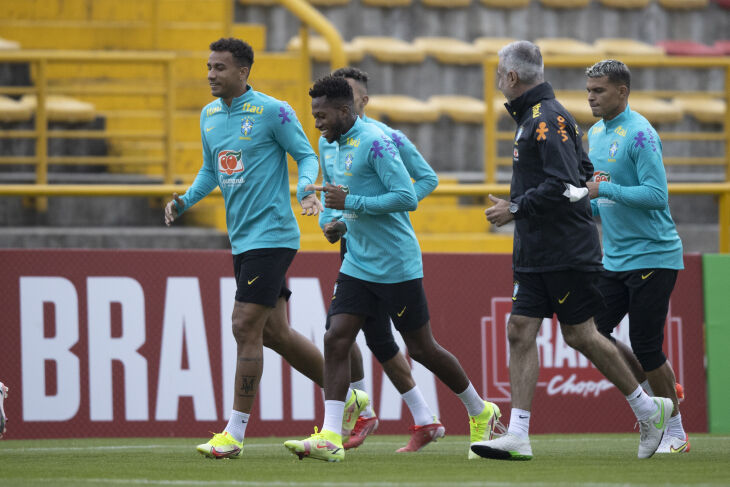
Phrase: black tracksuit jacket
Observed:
(551, 233)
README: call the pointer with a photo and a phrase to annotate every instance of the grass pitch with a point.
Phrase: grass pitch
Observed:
(569, 460)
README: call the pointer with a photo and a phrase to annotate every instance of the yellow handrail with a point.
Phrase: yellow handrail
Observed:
(492, 160)
(722, 190)
(314, 19)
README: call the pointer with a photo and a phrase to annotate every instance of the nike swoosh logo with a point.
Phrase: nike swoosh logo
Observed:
(402, 311)
(561, 301)
(208, 129)
(522, 417)
(680, 449)
(252, 280)
(514, 299)
(660, 424)
(644, 276)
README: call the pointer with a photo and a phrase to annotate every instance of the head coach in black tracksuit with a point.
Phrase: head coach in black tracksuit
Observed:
(557, 253)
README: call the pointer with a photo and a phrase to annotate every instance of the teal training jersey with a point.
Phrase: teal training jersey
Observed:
(244, 153)
(424, 178)
(633, 202)
(381, 244)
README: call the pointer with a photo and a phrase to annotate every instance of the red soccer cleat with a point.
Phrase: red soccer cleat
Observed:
(680, 393)
(363, 427)
(422, 436)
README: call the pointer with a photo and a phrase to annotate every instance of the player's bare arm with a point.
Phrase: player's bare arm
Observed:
(499, 213)
(171, 212)
(592, 189)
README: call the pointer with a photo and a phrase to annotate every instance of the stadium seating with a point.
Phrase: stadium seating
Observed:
(703, 108)
(399, 108)
(623, 47)
(626, 4)
(390, 49)
(688, 48)
(63, 108)
(446, 3)
(6, 45)
(683, 4)
(723, 3)
(723, 46)
(505, 4)
(14, 111)
(564, 45)
(463, 109)
(328, 3)
(448, 50)
(492, 45)
(319, 49)
(563, 4)
(386, 3)
(656, 110)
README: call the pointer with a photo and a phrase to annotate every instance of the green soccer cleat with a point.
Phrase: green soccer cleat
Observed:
(482, 425)
(358, 402)
(222, 445)
(325, 446)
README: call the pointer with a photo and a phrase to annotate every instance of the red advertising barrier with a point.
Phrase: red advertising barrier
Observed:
(138, 343)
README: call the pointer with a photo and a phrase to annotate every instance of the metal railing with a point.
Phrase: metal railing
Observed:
(39, 62)
(492, 135)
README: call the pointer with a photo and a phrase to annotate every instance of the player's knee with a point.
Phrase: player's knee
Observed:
(336, 345)
(650, 359)
(383, 350)
(274, 339)
(519, 334)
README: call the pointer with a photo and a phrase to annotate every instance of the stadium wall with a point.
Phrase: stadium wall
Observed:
(138, 343)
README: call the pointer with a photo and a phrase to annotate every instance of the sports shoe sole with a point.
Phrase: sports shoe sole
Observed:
(495, 454)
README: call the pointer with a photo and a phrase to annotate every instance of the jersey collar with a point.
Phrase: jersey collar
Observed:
(520, 105)
(619, 119)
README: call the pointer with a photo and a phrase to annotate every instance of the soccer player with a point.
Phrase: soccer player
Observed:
(642, 252)
(368, 182)
(379, 337)
(556, 256)
(3, 419)
(246, 136)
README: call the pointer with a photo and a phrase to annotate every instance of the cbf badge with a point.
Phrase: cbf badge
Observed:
(613, 150)
(246, 126)
(348, 162)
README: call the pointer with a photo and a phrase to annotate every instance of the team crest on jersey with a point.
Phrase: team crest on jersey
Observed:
(246, 126)
(515, 154)
(613, 150)
(602, 176)
(230, 162)
(348, 161)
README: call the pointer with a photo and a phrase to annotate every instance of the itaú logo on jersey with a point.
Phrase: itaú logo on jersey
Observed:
(230, 162)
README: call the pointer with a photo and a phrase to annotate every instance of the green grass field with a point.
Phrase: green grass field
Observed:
(593, 460)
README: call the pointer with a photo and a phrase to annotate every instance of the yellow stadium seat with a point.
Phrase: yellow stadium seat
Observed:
(511, 4)
(625, 47)
(259, 3)
(328, 3)
(446, 3)
(702, 108)
(464, 109)
(386, 3)
(319, 49)
(63, 108)
(576, 102)
(448, 50)
(390, 49)
(7, 45)
(626, 4)
(14, 111)
(492, 45)
(564, 45)
(399, 108)
(684, 4)
(565, 3)
(655, 109)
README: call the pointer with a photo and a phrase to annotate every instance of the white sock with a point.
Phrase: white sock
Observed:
(236, 426)
(519, 423)
(368, 412)
(643, 405)
(420, 411)
(647, 388)
(674, 427)
(474, 404)
(333, 411)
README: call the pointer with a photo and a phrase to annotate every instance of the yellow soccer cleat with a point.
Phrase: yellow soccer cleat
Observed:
(222, 445)
(482, 426)
(325, 446)
(357, 403)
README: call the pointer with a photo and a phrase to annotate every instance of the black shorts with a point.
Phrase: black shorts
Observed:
(261, 275)
(572, 295)
(643, 294)
(405, 302)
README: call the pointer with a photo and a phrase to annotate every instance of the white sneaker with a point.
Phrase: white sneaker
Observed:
(3, 419)
(672, 444)
(506, 447)
(651, 431)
